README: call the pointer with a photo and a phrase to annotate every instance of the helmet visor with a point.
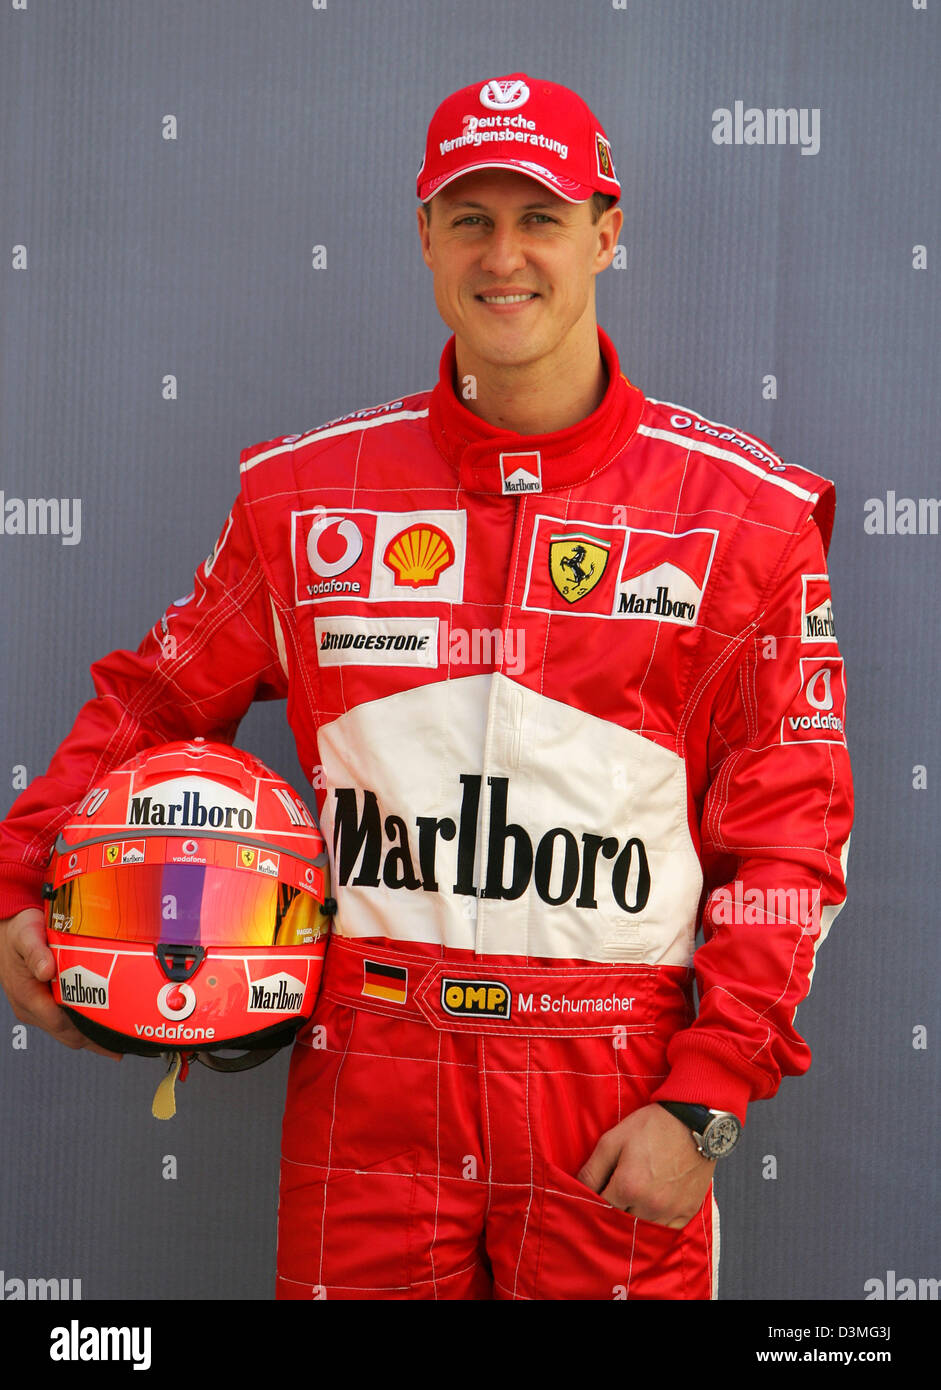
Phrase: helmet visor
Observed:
(186, 903)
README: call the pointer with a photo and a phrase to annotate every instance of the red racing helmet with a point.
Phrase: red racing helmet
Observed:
(187, 909)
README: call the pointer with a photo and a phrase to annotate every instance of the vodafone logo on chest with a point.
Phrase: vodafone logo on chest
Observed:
(378, 557)
(334, 544)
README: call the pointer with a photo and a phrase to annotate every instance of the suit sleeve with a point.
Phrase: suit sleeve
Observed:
(195, 674)
(775, 828)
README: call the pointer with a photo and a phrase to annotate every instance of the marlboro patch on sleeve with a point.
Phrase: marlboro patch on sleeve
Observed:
(385, 981)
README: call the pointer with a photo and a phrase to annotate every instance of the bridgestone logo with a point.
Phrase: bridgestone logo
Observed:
(373, 641)
(189, 812)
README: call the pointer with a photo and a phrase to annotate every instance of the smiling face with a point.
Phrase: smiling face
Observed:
(514, 269)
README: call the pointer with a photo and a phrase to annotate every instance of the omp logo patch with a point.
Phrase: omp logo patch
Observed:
(475, 998)
(816, 609)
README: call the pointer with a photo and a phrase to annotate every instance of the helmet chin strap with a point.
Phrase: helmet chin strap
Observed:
(216, 1062)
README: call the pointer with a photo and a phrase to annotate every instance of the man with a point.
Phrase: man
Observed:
(560, 661)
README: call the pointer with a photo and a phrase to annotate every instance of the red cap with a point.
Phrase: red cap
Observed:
(537, 128)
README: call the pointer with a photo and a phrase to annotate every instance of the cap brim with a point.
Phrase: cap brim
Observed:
(571, 192)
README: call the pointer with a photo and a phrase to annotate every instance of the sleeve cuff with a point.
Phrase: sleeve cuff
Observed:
(704, 1075)
(20, 887)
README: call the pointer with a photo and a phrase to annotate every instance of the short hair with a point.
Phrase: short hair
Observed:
(600, 202)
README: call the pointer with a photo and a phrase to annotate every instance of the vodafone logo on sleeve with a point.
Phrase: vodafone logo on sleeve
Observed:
(818, 715)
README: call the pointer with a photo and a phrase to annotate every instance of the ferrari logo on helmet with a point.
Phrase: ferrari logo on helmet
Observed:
(111, 853)
(247, 857)
(576, 563)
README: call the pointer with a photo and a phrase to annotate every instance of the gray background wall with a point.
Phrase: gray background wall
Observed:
(301, 126)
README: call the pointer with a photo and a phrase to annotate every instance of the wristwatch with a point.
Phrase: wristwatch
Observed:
(716, 1132)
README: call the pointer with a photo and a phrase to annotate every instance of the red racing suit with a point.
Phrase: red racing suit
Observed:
(564, 700)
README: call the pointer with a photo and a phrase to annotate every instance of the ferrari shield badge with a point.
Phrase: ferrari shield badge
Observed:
(576, 563)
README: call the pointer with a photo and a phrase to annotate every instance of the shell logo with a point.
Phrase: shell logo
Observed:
(418, 555)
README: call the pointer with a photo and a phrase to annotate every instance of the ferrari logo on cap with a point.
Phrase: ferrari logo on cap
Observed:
(603, 153)
(576, 563)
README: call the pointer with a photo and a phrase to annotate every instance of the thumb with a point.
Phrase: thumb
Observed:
(597, 1170)
(28, 938)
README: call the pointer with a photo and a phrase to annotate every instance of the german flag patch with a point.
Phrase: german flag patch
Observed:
(385, 981)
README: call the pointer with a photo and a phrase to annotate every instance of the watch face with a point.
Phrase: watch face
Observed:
(721, 1136)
